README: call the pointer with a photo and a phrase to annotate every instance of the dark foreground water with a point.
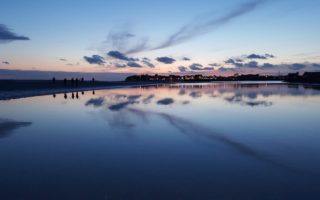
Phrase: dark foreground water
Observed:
(188, 141)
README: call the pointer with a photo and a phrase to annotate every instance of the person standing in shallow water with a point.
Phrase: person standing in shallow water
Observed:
(72, 82)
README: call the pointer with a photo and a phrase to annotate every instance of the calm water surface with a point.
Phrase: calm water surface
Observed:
(184, 141)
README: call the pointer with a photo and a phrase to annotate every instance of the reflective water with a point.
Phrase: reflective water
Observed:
(183, 141)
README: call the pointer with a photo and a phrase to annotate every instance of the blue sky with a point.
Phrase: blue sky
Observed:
(287, 29)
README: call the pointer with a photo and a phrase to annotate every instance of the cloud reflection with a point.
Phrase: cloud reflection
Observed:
(195, 94)
(120, 106)
(239, 99)
(96, 102)
(148, 99)
(165, 101)
(7, 126)
(192, 129)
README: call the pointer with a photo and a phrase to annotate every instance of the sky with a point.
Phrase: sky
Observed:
(218, 37)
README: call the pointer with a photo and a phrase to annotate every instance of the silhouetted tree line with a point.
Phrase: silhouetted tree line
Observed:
(307, 77)
(200, 78)
(312, 77)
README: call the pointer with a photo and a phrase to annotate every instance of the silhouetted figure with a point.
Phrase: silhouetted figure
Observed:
(77, 82)
(72, 81)
(82, 79)
(72, 95)
(65, 96)
(82, 92)
(77, 95)
(54, 95)
(65, 82)
(93, 92)
(53, 80)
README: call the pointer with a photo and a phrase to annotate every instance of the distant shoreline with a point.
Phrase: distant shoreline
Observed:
(16, 89)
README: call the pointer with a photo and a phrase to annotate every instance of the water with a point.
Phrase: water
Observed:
(184, 141)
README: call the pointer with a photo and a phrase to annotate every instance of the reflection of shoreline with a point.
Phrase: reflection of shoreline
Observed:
(268, 88)
(18, 90)
(17, 93)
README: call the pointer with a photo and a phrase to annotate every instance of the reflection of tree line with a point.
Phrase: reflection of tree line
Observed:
(242, 94)
(265, 89)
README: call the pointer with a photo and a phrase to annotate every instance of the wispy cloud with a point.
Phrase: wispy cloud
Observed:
(257, 56)
(195, 66)
(134, 64)
(205, 25)
(94, 59)
(199, 67)
(120, 65)
(214, 64)
(123, 40)
(141, 45)
(147, 62)
(183, 69)
(120, 56)
(6, 35)
(186, 59)
(297, 66)
(165, 60)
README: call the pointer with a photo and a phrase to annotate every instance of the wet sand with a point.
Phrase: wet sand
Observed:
(15, 89)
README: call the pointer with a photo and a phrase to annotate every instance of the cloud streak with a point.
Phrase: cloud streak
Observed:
(203, 26)
(134, 64)
(6, 35)
(147, 62)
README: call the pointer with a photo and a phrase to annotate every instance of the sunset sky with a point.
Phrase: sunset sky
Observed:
(168, 36)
